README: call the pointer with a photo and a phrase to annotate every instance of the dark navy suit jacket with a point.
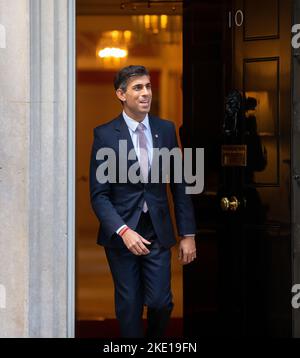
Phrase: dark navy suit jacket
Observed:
(116, 204)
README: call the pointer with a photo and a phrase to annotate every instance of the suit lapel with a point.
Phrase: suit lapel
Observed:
(123, 134)
(155, 131)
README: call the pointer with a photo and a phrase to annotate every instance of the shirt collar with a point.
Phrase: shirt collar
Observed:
(132, 124)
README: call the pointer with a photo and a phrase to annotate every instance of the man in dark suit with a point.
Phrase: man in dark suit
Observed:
(136, 228)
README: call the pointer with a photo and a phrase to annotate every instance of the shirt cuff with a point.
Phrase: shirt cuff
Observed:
(120, 228)
(190, 235)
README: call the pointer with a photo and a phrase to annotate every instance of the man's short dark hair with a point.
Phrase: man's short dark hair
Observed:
(122, 77)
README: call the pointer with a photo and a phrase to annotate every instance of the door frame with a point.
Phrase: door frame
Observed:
(72, 158)
(295, 169)
(71, 168)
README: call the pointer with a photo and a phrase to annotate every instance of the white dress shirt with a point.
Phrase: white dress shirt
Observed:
(132, 125)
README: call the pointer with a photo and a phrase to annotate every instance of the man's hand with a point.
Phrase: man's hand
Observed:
(135, 243)
(187, 250)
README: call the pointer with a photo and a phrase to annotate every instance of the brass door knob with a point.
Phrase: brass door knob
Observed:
(231, 205)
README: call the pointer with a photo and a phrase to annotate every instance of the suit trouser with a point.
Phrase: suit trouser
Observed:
(140, 280)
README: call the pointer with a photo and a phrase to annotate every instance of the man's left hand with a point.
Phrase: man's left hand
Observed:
(187, 250)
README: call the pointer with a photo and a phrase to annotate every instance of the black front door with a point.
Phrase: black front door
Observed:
(236, 85)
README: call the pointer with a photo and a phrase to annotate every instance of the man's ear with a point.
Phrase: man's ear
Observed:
(121, 95)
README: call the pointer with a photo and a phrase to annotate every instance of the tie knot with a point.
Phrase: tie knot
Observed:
(141, 127)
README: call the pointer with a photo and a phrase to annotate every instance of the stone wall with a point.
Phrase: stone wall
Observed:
(34, 168)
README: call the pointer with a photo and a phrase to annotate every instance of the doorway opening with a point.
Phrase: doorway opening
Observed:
(110, 37)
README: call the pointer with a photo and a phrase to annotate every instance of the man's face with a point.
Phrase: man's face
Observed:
(137, 98)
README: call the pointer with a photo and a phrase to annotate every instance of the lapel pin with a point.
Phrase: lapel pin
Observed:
(156, 135)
